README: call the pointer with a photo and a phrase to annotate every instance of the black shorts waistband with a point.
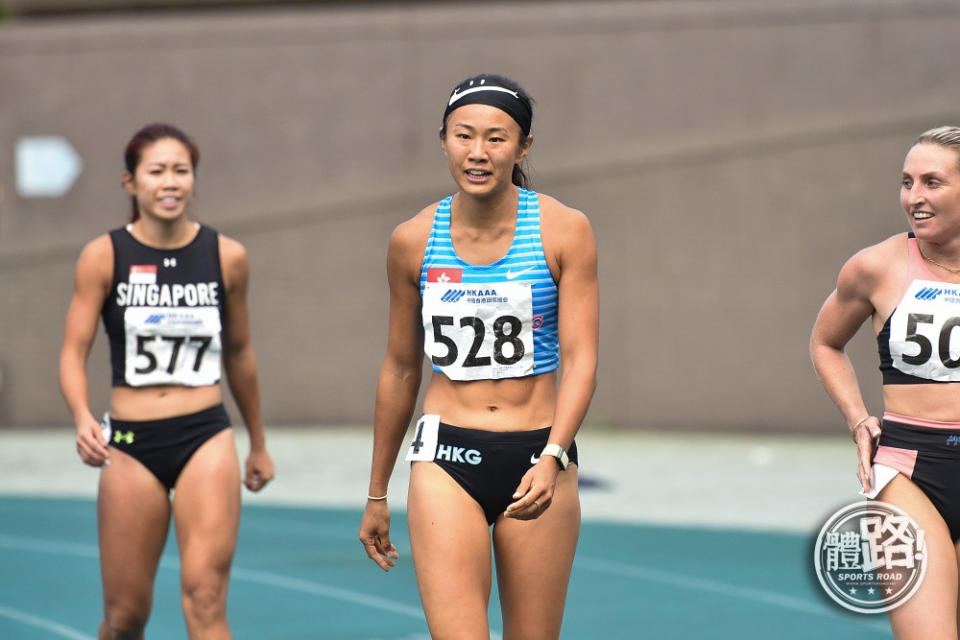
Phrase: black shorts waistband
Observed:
(482, 438)
(493, 437)
(217, 414)
(931, 440)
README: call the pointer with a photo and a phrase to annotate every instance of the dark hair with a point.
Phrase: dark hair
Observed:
(147, 136)
(519, 177)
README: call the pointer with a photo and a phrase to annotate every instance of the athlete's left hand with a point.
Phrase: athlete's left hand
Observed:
(535, 491)
(259, 470)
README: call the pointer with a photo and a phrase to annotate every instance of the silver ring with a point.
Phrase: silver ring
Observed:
(538, 505)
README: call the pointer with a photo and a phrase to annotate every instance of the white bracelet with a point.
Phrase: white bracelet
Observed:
(370, 497)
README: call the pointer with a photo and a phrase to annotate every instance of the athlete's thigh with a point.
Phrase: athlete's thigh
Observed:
(450, 543)
(956, 547)
(534, 559)
(931, 613)
(133, 515)
(206, 509)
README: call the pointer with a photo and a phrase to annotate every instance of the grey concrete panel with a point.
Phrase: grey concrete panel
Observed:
(44, 7)
(730, 155)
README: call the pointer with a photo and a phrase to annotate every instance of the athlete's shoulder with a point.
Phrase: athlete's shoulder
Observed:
(563, 227)
(100, 246)
(408, 242)
(97, 251)
(234, 264)
(551, 208)
(554, 213)
(230, 250)
(872, 266)
(95, 263)
(412, 234)
(879, 258)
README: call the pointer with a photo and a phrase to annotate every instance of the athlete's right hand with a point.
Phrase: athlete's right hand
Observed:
(91, 445)
(864, 435)
(375, 534)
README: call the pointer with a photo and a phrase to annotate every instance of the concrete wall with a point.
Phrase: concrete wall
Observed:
(47, 8)
(730, 155)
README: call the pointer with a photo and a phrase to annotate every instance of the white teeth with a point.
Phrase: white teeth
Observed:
(476, 172)
(922, 215)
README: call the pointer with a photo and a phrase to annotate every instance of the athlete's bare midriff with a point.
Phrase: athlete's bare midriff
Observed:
(935, 401)
(158, 402)
(509, 404)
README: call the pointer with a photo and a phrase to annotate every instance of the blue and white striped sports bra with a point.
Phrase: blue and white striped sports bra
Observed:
(491, 321)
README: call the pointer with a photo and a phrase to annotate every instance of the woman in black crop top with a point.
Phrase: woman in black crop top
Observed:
(172, 294)
(909, 287)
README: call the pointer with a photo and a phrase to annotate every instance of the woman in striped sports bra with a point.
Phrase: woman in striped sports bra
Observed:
(909, 285)
(493, 283)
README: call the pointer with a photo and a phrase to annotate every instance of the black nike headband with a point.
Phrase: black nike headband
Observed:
(484, 92)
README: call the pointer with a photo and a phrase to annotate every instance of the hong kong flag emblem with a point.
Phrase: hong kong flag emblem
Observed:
(444, 275)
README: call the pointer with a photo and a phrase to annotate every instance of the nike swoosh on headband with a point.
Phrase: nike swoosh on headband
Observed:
(457, 95)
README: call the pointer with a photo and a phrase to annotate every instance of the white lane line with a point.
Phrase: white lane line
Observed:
(246, 575)
(713, 586)
(289, 526)
(43, 623)
(50, 546)
(271, 579)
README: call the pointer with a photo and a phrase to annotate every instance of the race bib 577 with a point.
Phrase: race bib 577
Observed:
(172, 345)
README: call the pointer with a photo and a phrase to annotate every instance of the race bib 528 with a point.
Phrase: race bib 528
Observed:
(479, 331)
